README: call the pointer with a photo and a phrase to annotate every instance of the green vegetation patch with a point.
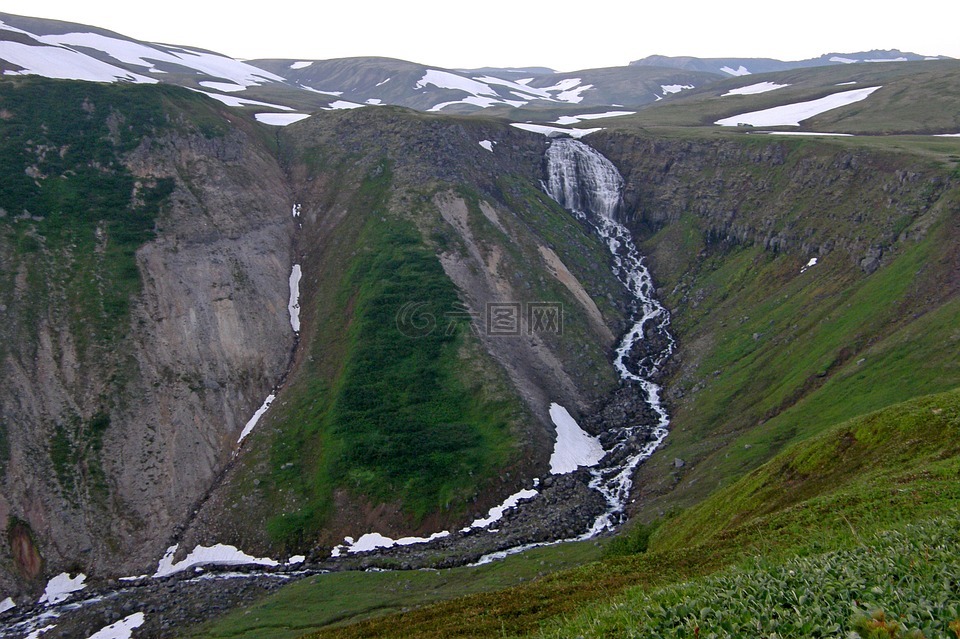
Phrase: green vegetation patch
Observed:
(911, 574)
(340, 598)
(900, 471)
(394, 407)
(72, 211)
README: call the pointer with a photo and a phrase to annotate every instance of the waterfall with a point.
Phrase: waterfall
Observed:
(588, 185)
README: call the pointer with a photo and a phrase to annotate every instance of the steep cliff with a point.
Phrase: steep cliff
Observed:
(809, 282)
(145, 252)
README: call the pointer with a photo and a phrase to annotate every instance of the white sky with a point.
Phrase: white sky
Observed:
(561, 34)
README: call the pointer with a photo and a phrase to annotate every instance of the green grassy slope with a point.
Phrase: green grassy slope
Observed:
(916, 97)
(377, 408)
(883, 471)
(824, 498)
(771, 357)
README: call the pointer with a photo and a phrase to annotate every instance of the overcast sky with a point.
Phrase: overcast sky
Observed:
(562, 35)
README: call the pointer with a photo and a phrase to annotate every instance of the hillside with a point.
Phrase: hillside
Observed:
(278, 333)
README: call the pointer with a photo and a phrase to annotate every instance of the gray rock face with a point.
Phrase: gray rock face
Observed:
(208, 337)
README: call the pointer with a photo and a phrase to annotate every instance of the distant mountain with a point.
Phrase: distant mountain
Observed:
(387, 81)
(63, 50)
(745, 66)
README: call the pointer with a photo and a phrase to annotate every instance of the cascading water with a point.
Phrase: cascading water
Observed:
(588, 185)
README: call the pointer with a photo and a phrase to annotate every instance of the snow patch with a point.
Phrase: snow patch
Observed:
(477, 100)
(901, 59)
(280, 119)
(7, 604)
(842, 60)
(834, 135)
(226, 87)
(251, 424)
(217, 555)
(753, 89)
(487, 144)
(447, 80)
(343, 104)
(64, 64)
(812, 262)
(61, 587)
(39, 631)
(312, 90)
(573, 119)
(382, 83)
(375, 101)
(296, 559)
(522, 89)
(947, 135)
(742, 70)
(234, 101)
(303, 64)
(675, 88)
(575, 447)
(794, 114)
(554, 130)
(496, 513)
(294, 304)
(372, 541)
(843, 84)
(122, 629)
(295, 211)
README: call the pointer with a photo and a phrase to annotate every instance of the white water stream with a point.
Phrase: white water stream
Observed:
(588, 185)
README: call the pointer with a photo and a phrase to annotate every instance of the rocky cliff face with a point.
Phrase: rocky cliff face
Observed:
(122, 429)
(126, 389)
(806, 198)
(114, 426)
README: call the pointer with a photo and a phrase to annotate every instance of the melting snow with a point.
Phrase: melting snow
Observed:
(227, 87)
(251, 424)
(574, 447)
(234, 101)
(837, 58)
(835, 135)
(812, 262)
(312, 90)
(740, 71)
(294, 305)
(39, 631)
(477, 100)
(280, 119)
(554, 130)
(522, 90)
(675, 88)
(301, 65)
(343, 104)
(372, 541)
(447, 80)
(218, 555)
(7, 604)
(487, 144)
(61, 587)
(793, 114)
(753, 89)
(64, 64)
(573, 119)
(122, 629)
(496, 513)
